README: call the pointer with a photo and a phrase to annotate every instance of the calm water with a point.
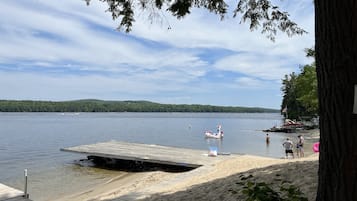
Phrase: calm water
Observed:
(33, 140)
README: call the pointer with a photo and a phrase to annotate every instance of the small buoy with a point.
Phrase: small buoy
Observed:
(316, 147)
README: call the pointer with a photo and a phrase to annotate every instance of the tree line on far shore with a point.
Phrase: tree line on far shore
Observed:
(118, 106)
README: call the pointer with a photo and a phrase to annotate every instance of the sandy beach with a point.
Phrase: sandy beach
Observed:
(219, 181)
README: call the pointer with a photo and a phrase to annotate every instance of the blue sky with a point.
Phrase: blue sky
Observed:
(65, 50)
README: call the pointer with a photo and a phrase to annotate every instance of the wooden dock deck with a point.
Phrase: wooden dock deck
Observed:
(10, 194)
(147, 153)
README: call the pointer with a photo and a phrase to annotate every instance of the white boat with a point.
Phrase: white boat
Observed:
(209, 134)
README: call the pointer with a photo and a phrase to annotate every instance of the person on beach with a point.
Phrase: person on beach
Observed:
(300, 146)
(288, 145)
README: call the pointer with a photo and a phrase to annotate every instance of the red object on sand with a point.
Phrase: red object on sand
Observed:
(316, 147)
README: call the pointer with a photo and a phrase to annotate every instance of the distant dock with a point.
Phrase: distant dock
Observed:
(10, 194)
(150, 153)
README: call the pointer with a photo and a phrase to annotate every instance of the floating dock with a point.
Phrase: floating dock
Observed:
(150, 153)
(10, 194)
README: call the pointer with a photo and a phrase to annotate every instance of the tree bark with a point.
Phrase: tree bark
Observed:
(336, 62)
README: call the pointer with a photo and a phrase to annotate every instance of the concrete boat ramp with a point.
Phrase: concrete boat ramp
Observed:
(150, 153)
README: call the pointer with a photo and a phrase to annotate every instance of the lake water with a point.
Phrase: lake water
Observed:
(33, 141)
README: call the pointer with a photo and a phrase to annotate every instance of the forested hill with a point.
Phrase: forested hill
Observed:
(118, 106)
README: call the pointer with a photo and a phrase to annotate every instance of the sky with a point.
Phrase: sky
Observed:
(66, 50)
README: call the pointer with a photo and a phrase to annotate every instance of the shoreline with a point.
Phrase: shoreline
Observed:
(195, 184)
(153, 185)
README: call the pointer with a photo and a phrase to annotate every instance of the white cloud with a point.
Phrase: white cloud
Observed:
(72, 40)
(248, 82)
(256, 65)
(74, 49)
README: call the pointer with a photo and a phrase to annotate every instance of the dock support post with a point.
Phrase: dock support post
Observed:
(26, 195)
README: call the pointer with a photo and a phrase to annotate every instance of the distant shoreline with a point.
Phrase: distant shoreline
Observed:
(90, 105)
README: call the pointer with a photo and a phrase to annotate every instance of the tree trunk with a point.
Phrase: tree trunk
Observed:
(336, 60)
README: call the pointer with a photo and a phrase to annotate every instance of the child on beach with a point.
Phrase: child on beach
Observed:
(288, 145)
